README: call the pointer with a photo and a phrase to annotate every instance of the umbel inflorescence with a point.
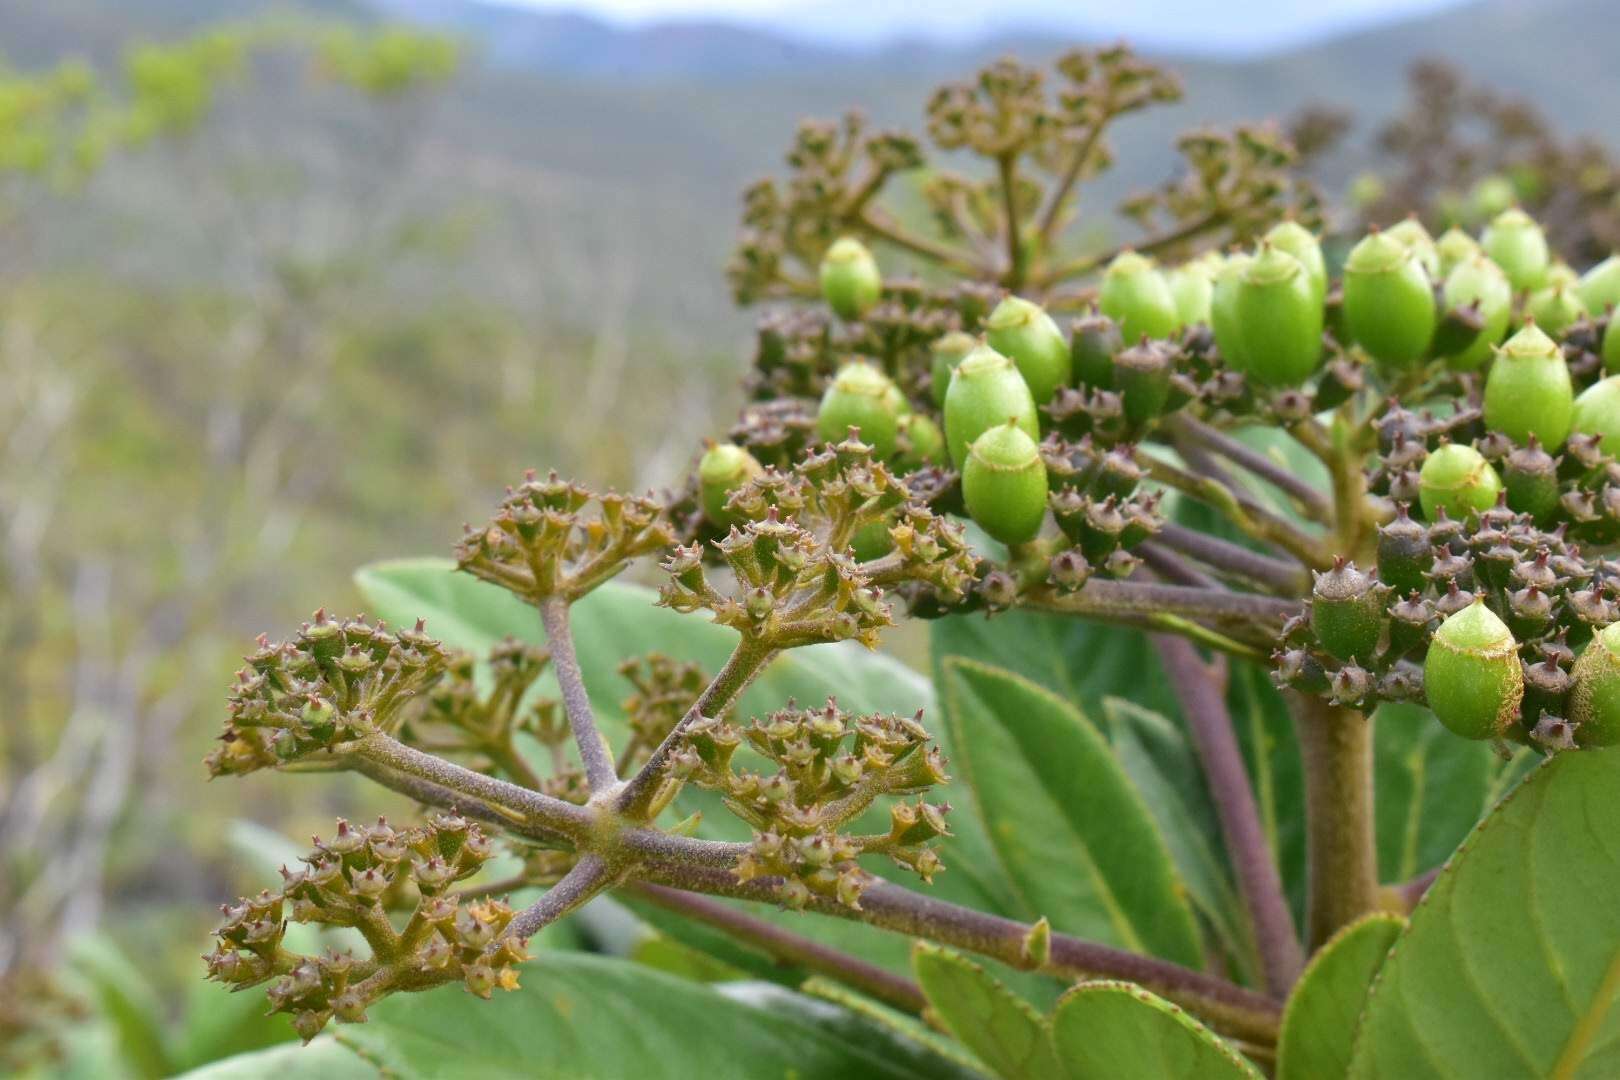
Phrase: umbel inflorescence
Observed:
(1020, 426)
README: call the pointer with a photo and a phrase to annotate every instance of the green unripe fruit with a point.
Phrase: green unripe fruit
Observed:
(871, 541)
(1530, 478)
(1479, 281)
(921, 442)
(862, 397)
(1418, 241)
(1094, 339)
(1595, 701)
(1472, 675)
(1301, 243)
(985, 392)
(1555, 308)
(1277, 318)
(724, 468)
(1024, 332)
(1559, 273)
(1004, 484)
(1457, 478)
(1491, 196)
(1600, 286)
(1455, 248)
(1516, 243)
(947, 352)
(1597, 412)
(1191, 285)
(1142, 376)
(1223, 313)
(1611, 346)
(1388, 301)
(850, 279)
(1135, 295)
(1528, 391)
(1404, 553)
(1347, 612)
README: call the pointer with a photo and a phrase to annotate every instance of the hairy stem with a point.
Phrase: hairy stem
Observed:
(589, 877)
(1336, 748)
(593, 748)
(1101, 598)
(1253, 862)
(1231, 560)
(787, 947)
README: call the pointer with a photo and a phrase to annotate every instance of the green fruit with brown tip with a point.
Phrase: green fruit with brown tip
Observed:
(1223, 311)
(1555, 308)
(1518, 245)
(1479, 281)
(1389, 305)
(1597, 412)
(921, 441)
(1600, 286)
(1595, 701)
(1472, 676)
(724, 468)
(1301, 243)
(1135, 295)
(1458, 478)
(1347, 612)
(947, 352)
(1004, 484)
(1024, 332)
(1456, 247)
(1093, 341)
(985, 392)
(864, 398)
(1528, 391)
(1278, 320)
(850, 279)
(1191, 285)
(1410, 231)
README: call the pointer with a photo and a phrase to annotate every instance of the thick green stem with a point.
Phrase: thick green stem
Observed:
(1336, 748)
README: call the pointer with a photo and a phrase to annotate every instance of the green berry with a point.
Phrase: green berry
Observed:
(1611, 346)
(864, 398)
(724, 468)
(1026, 333)
(1555, 308)
(850, 279)
(921, 442)
(1094, 339)
(1142, 376)
(1595, 701)
(1301, 243)
(947, 352)
(1347, 612)
(1389, 305)
(985, 392)
(1600, 286)
(1530, 478)
(1597, 412)
(1278, 320)
(1004, 484)
(1457, 477)
(1418, 241)
(1491, 196)
(1191, 285)
(1560, 273)
(1135, 295)
(1223, 312)
(1477, 280)
(1404, 553)
(1472, 675)
(1455, 248)
(1516, 243)
(1528, 391)
(871, 541)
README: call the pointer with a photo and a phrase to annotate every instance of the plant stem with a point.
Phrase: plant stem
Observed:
(1007, 166)
(1102, 598)
(1313, 502)
(1253, 862)
(1336, 748)
(1261, 571)
(1047, 220)
(1173, 568)
(788, 947)
(1242, 511)
(1152, 245)
(589, 877)
(593, 748)
(946, 257)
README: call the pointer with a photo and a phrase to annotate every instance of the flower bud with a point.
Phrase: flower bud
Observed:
(1458, 480)
(1347, 612)
(850, 280)
(1528, 392)
(948, 352)
(864, 398)
(1479, 281)
(1455, 248)
(1517, 244)
(1595, 703)
(1404, 553)
(1301, 243)
(1597, 413)
(1388, 301)
(1599, 287)
(1093, 342)
(1472, 674)
(1555, 308)
(1278, 320)
(985, 392)
(1135, 295)
(1416, 238)
(921, 442)
(1004, 484)
(1192, 284)
(1223, 313)
(723, 468)
(1022, 331)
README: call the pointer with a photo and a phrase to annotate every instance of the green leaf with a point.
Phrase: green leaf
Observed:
(902, 1024)
(1117, 1030)
(1319, 1022)
(1001, 1028)
(1511, 964)
(128, 1001)
(323, 1059)
(1072, 831)
(1432, 788)
(220, 1023)
(590, 1016)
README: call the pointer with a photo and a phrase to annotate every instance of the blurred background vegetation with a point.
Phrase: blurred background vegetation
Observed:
(287, 288)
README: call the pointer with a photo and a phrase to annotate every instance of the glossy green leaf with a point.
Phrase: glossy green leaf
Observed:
(1117, 1030)
(884, 1016)
(591, 1016)
(1319, 1022)
(1002, 1029)
(1071, 830)
(1511, 964)
(323, 1059)
(1432, 788)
